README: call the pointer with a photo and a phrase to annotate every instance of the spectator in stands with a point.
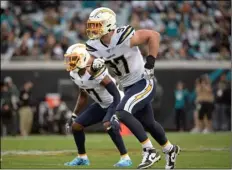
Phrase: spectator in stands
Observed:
(135, 21)
(36, 51)
(49, 46)
(172, 54)
(39, 37)
(8, 44)
(64, 43)
(81, 32)
(4, 36)
(181, 97)
(29, 7)
(25, 45)
(224, 53)
(172, 23)
(50, 17)
(146, 22)
(138, 6)
(25, 111)
(205, 99)
(58, 53)
(204, 24)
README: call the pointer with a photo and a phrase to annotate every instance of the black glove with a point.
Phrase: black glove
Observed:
(115, 124)
(150, 62)
(149, 67)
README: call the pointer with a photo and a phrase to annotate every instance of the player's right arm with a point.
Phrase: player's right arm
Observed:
(81, 102)
(110, 119)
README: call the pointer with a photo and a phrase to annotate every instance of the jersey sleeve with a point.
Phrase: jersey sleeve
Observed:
(92, 49)
(124, 34)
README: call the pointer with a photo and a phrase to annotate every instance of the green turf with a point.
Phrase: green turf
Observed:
(102, 153)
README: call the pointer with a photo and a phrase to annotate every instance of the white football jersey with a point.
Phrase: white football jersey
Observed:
(91, 84)
(125, 62)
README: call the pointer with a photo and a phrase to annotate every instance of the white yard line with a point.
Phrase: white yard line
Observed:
(39, 152)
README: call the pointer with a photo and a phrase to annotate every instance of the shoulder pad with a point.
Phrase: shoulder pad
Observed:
(89, 46)
(71, 76)
(124, 33)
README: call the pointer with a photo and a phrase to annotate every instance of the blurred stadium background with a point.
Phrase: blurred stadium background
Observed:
(195, 47)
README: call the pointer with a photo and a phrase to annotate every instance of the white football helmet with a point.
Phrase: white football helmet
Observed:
(101, 21)
(76, 57)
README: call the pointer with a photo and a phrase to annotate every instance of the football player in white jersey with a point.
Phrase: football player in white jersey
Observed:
(102, 89)
(118, 47)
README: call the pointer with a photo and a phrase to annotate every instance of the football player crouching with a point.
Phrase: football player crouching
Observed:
(102, 89)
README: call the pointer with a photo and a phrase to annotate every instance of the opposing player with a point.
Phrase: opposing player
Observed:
(102, 89)
(118, 47)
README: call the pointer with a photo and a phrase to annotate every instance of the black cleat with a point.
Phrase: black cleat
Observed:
(171, 157)
(150, 156)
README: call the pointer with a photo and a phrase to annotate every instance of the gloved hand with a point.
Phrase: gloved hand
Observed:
(149, 74)
(149, 67)
(68, 125)
(97, 64)
(115, 124)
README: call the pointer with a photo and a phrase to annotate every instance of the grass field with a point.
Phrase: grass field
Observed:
(198, 151)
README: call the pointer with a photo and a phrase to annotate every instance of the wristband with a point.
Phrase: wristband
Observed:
(150, 62)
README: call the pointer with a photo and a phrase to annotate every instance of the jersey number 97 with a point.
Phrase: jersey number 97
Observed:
(114, 64)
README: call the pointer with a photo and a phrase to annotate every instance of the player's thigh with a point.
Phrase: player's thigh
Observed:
(92, 115)
(145, 115)
(137, 96)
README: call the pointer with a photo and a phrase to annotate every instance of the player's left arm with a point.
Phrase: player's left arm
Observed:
(113, 90)
(152, 39)
(102, 77)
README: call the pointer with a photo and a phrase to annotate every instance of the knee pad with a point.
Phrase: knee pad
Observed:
(77, 127)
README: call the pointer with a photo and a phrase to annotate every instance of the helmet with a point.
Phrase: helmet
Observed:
(101, 21)
(76, 57)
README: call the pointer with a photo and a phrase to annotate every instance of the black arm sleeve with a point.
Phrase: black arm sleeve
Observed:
(112, 89)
